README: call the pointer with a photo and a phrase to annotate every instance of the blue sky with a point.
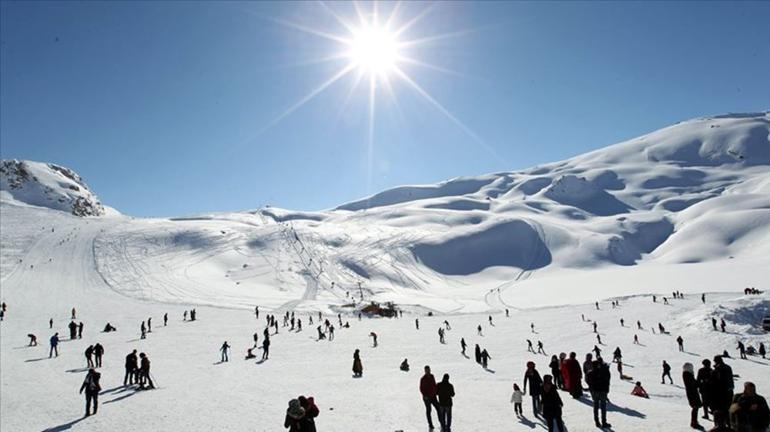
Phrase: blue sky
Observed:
(164, 108)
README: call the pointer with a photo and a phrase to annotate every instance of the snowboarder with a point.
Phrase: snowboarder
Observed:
(680, 342)
(428, 391)
(224, 349)
(54, 345)
(445, 392)
(358, 367)
(250, 353)
(532, 377)
(666, 373)
(109, 328)
(32, 339)
(92, 388)
(98, 353)
(144, 372)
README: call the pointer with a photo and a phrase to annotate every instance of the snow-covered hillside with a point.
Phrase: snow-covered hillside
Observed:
(686, 208)
(47, 185)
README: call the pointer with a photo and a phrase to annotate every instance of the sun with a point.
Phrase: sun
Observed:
(374, 50)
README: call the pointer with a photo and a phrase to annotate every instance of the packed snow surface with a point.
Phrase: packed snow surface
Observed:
(685, 208)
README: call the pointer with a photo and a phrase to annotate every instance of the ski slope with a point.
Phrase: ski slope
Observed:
(685, 208)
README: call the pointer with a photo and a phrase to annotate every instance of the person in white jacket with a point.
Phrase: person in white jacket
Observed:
(516, 398)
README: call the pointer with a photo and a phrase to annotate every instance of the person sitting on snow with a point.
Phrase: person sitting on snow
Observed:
(640, 391)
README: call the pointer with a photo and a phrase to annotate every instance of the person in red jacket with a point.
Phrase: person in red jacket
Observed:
(428, 391)
(575, 376)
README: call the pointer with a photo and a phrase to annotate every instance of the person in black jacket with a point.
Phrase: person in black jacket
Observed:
(445, 392)
(92, 388)
(552, 405)
(749, 411)
(704, 386)
(532, 376)
(693, 397)
(599, 385)
(294, 415)
(722, 385)
(131, 365)
(98, 353)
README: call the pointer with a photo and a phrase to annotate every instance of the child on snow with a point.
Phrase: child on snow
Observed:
(639, 391)
(516, 398)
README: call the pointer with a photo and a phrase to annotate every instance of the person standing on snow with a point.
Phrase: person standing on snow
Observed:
(80, 330)
(428, 391)
(516, 398)
(680, 342)
(575, 385)
(54, 345)
(485, 358)
(463, 345)
(89, 352)
(445, 392)
(666, 373)
(265, 348)
(144, 372)
(73, 329)
(599, 385)
(477, 353)
(532, 377)
(165, 319)
(358, 367)
(92, 388)
(693, 397)
(98, 353)
(224, 349)
(131, 368)
(552, 405)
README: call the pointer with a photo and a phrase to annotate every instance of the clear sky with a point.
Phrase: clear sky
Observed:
(176, 108)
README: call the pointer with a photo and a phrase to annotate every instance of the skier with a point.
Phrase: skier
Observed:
(762, 350)
(54, 345)
(714, 323)
(638, 325)
(50, 323)
(477, 353)
(144, 372)
(441, 335)
(265, 348)
(165, 319)
(149, 325)
(89, 352)
(478, 330)
(73, 314)
(680, 342)
(256, 339)
(703, 298)
(693, 397)
(143, 329)
(532, 327)
(597, 351)
(540, 349)
(463, 345)
(622, 322)
(32, 339)
(256, 312)
(507, 313)
(597, 305)
(532, 377)
(92, 388)
(490, 320)
(529, 347)
(666, 373)
(599, 339)
(428, 392)
(224, 349)
(98, 353)
(184, 317)
(445, 392)
(446, 325)
(636, 339)
(374, 339)
(358, 367)
(722, 324)
(617, 356)
(131, 368)
(417, 323)
(595, 325)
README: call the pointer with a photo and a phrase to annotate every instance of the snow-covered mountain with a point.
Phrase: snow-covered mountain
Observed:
(47, 185)
(694, 192)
